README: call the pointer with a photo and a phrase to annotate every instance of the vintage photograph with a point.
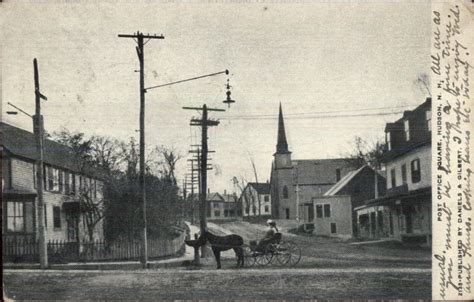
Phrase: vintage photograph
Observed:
(223, 150)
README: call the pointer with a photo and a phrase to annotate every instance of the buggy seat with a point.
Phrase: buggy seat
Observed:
(275, 239)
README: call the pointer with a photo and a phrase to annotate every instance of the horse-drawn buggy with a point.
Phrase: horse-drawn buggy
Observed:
(275, 250)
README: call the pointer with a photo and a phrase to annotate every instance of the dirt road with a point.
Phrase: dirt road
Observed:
(223, 284)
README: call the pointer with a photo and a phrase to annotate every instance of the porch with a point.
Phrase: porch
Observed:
(404, 216)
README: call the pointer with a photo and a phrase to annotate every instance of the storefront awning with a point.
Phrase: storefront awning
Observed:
(398, 198)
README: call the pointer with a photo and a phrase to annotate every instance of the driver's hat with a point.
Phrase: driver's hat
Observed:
(270, 222)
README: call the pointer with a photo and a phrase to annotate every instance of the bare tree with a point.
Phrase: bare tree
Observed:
(167, 163)
(256, 180)
(246, 195)
(423, 80)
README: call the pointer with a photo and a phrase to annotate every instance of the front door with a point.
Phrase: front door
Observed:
(72, 227)
(408, 212)
(310, 211)
(287, 213)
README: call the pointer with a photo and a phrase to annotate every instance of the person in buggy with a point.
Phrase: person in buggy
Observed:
(269, 235)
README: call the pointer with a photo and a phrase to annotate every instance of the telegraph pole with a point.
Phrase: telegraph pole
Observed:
(139, 37)
(38, 130)
(204, 123)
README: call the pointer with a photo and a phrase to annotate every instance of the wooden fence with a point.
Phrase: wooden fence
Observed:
(19, 250)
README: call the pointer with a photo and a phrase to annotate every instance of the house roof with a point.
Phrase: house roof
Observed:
(214, 197)
(21, 143)
(346, 180)
(229, 197)
(321, 171)
(260, 187)
(418, 131)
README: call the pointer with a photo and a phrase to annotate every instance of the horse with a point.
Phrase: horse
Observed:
(224, 243)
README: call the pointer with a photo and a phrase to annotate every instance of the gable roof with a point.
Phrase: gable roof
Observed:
(214, 197)
(344, 181)
(260, 187)
(22, 143)
(229, 197)
(321, 171)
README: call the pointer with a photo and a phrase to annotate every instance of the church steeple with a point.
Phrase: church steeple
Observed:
(282, 144)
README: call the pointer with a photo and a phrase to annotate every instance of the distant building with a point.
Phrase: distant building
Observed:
(294, 183)
(333, 213)
(256, 200)
(222, 207)
(64, 216)
(404, 213)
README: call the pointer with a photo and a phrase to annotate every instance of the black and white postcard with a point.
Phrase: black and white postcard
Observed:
(236, 149)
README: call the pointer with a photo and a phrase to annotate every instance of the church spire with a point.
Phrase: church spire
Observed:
(282, 145)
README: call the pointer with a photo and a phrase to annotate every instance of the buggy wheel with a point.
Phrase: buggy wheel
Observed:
(283, 254)
(295, 252)
(249, 257)
(264, 258)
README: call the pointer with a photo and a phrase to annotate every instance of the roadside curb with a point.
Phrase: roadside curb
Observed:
(102, 266)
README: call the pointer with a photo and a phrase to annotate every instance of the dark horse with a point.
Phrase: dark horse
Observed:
(224, 243)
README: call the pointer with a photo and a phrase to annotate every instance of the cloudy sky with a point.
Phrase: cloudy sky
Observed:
(339, 70)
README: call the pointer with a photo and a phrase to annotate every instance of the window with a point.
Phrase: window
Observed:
(415, 171)
(393, 178)
(15, 216)
(49, 171)
(247, 210)
(327, 210)
(266, 209)
(266, 198)
(80, 183)
(406, 127)
(428, 119)
(67, 183)
(319, 211)
(388, 140)
(338, 175)
(404, 174)
(215, 205)
(56, 217)
(55, 179)
(285, 192)
(333, 228)
(217, 213)
(73, 183)
(60, 180)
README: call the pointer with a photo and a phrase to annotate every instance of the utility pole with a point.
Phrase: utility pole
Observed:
(204, 123)
(38, 130)
(139, 37)
(192, 183)
(297, 191)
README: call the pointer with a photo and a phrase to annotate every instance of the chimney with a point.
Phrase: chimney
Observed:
(225, 192)
(208, 190)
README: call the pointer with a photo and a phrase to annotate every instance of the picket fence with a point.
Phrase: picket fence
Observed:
(23, 250)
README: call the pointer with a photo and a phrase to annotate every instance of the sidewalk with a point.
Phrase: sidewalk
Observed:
(188, 255)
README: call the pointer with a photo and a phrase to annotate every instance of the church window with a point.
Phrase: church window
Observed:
(285, 192)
